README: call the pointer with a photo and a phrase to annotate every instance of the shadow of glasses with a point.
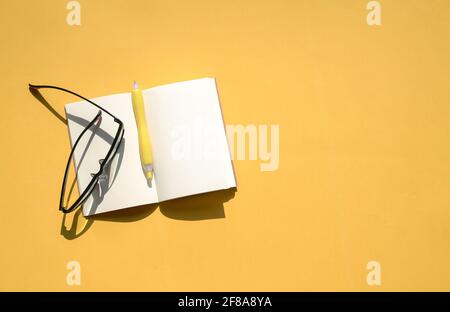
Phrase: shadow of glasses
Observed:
(78, 225)
(44, 102)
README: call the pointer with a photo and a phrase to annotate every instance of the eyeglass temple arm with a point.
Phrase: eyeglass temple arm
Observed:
(76, 94)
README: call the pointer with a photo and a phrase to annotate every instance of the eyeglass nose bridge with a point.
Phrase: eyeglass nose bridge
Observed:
(100, 161)
(101, 173)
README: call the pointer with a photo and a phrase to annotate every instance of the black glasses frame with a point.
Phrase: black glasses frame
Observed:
(103, 162)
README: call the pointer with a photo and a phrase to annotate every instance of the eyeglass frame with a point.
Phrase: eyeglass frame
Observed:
(108, 158)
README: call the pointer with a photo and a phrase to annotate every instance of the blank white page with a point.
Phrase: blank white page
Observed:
(129, 188)
(190, 148)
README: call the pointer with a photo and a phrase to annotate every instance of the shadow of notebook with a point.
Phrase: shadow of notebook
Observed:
(190, 149)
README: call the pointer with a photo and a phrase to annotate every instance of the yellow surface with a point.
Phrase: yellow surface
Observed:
(145, 147)
(364, 144)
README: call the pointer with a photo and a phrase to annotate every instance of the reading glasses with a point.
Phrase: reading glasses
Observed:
(104, 162)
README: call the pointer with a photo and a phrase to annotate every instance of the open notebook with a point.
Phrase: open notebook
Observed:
(190, 148)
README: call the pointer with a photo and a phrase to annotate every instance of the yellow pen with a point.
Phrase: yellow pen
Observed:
(145, 146)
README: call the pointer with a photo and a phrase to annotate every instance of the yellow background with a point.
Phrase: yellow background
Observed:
(364, 144)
